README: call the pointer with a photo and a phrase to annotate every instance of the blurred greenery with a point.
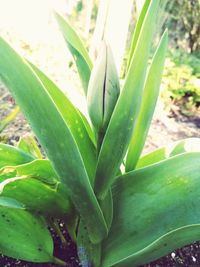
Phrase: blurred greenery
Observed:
(181, 83)
(79, 6)
(183, 21)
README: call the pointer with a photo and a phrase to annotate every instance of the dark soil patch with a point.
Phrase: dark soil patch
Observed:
(188, 256)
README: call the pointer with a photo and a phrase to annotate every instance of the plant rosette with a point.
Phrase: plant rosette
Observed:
(117, 216)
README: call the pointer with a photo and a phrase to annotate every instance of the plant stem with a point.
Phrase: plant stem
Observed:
(56, 227)
(59, 261)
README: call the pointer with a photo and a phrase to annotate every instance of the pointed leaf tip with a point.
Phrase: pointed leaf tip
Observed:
(149, 99)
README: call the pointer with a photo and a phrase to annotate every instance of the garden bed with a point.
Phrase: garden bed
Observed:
(163, 131)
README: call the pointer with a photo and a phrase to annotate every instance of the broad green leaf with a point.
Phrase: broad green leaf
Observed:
(149, 99)
(10, 203)
(137, 30)
(77, 49)
(74, 121)
(10, 155)
(122, 122)
(36, 180)
(149, 230)
(37, 196)
(152, 157)
(29, 145)
(54, 136)
(40, 169)
(182, 146)
(24, 237)
(166, 244)
(8, 119)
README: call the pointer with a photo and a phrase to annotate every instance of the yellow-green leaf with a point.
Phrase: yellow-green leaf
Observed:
(150, 95)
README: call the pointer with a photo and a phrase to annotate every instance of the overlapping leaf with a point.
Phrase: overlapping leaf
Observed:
(54, 136)
(40, 169)
(29, 145)
(148, 230)
(150, 95)
(122, 122)
(36, 181)
(38, 197)
(10, 155)
(179, 147)
(74, 121)
(77, 49)
(137, 30)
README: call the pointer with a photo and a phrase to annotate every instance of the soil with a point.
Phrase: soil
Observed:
(163, 131)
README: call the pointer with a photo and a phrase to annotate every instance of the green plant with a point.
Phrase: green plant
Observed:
(181, 83)
(193, 60)
(116, 217)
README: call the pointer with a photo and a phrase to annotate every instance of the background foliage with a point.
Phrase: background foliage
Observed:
(181, 84)
(184, 22)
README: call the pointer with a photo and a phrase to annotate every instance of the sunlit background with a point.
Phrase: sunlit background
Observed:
(30, 27)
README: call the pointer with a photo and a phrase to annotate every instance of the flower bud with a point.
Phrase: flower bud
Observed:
(103, 89)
